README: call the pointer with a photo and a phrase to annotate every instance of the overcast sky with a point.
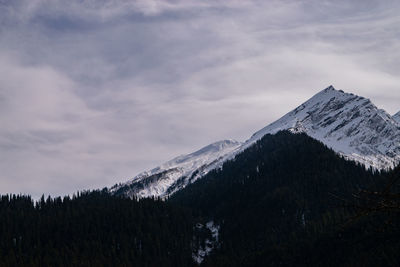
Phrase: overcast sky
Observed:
(93, 92)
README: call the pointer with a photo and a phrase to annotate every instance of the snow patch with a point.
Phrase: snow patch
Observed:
(210, 244)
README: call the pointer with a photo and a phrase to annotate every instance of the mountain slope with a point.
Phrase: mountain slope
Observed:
(396, 117)
(178, 172)
(279, 203)
(351, 125)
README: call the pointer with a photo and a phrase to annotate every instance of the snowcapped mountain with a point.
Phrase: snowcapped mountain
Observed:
(396, 117)
(351, 125)
(178, 172)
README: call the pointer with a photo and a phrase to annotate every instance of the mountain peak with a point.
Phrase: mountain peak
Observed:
(349, 124)
(330, 88)
(331, 91)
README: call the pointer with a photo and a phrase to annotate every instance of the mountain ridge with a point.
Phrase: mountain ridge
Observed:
(176, 173)
(351, 125)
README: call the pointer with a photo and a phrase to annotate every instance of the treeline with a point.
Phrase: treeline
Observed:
(93, 229)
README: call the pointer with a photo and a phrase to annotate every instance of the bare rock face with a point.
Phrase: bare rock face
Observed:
(349, 124)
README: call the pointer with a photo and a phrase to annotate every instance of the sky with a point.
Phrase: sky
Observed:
(92, 92)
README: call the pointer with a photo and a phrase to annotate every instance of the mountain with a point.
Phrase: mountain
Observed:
(396, 117)
(287, 200)
(281, 202)
(178, 172)
(351, 125)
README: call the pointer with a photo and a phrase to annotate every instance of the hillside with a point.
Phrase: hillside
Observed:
(278, 202)
(349, 124)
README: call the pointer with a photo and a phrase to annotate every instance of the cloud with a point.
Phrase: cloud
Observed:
(93, 92)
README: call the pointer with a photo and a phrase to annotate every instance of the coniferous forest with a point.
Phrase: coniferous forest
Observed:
(286, 201)
(93, 229)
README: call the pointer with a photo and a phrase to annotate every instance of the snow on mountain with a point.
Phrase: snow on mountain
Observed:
(209, 244)
(396, 117)
(178, 172)
(351, 125)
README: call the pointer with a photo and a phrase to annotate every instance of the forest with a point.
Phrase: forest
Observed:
(93, 229)
(288, 200)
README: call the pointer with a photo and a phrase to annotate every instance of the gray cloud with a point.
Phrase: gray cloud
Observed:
(93, 92)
